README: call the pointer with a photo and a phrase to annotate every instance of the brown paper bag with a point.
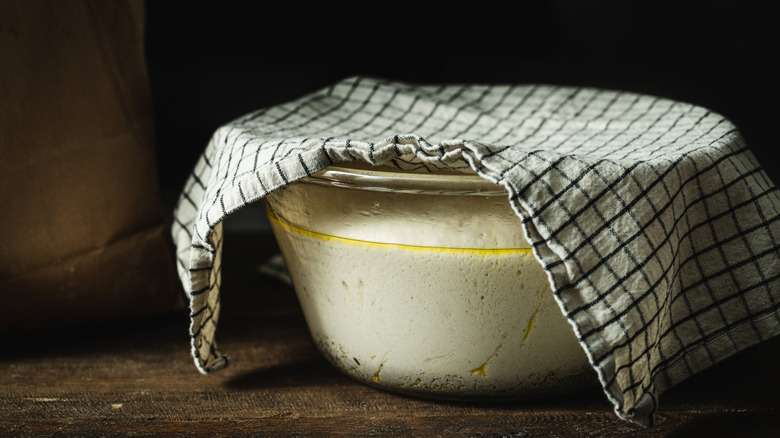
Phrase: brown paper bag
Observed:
(82, 235)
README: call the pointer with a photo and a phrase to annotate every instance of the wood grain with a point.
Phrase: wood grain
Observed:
(136, 378)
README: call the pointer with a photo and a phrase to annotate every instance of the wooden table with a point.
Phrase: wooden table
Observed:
(136, 378)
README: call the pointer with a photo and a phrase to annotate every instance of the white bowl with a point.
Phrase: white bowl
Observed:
(423, 283)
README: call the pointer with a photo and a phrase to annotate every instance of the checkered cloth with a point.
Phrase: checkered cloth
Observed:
(655, 222)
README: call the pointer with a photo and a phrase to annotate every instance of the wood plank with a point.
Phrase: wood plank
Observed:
(137, 378)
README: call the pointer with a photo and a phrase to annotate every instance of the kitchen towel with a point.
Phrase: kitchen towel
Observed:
(657, 226)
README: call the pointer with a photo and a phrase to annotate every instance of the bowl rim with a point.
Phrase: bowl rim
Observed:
(359, 176)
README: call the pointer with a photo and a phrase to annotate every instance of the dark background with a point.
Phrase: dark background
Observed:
(210, 62)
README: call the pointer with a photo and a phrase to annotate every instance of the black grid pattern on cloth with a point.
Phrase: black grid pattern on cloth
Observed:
(658, 227)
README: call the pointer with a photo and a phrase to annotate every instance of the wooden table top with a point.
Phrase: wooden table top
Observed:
(136, 378)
